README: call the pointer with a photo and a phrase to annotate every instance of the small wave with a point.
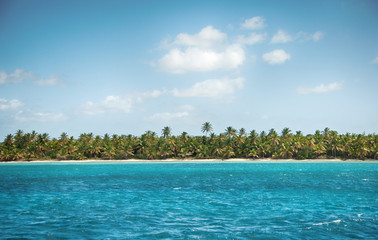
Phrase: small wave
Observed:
(335, 221)
(22, 213)
(360, 214)
(176, 188)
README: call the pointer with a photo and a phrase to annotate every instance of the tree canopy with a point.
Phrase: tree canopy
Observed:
(321, 144)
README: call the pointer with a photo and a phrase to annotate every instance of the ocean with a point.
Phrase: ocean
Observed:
(189, 200)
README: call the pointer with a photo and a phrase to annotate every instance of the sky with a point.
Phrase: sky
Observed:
(125, 67)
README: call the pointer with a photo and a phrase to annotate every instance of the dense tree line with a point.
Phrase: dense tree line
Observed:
(230, 144)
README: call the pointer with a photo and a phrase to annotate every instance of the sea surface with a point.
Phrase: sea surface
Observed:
(213, 200)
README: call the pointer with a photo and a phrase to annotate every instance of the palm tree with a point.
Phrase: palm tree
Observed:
(242, 132)
(184, 137)
(64, 137)
(272, 133)
(327, 143)
(326, 131)
(42, 143)
(319, 149)
(228, 152)
(206, 128)
(273, 138)
(285, 132)
(9, 140)
(299, 133)
(166, 132)
(262, 134)
(18, 135)
(230, 132)
(285, 151)
(253, 134)
(218, 152)
(151, 134)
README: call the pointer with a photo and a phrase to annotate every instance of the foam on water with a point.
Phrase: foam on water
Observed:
(189, 200)
(335, 221)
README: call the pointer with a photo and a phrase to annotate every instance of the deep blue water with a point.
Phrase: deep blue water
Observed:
(189, 200)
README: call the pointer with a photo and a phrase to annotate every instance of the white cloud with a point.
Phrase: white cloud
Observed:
(181, 112)
(278, 56)
(201, 52)
(109, 104)
(208, 37)
(322, 88)
(211, 88)
(151, 94)
(118, 103)
(167, 116)
(201, 60)
(27, 116)
(281, 37)
(251, 39)
(53, 80)
(317, 36)
(375, 60)
(284, 37)
(254, 23)
(18, 75)
(9, 104)
(264, 117)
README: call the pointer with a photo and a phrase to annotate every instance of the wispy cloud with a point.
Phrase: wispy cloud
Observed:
(254, 23)
(375, 60)
(278, 56)
(322, 88)
(20, 75)
(212, 88)
(168, 116)
(303, 36)
(31, 116)
(109, 104)
(115, 103)
(9, 104)
(252, 38)
(17, 76)
(52, 80)
(317, 36)
(182, 112)
(283, 37)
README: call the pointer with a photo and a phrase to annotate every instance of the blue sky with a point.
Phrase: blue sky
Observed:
(124, 67)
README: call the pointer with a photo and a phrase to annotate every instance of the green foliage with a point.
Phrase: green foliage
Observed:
(207, 128)
(322, 144)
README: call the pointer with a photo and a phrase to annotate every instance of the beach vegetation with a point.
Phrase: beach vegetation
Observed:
(229, 144)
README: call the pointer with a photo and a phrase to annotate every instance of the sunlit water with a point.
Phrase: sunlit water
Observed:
(189, 200)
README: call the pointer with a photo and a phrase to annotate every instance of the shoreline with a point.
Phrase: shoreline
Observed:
(173, 160)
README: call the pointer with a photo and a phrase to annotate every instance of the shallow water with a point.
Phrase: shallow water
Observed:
(189, 200)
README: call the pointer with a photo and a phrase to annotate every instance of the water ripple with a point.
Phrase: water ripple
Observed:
(189, 201)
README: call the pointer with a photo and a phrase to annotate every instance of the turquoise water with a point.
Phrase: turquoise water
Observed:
(189, 200)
